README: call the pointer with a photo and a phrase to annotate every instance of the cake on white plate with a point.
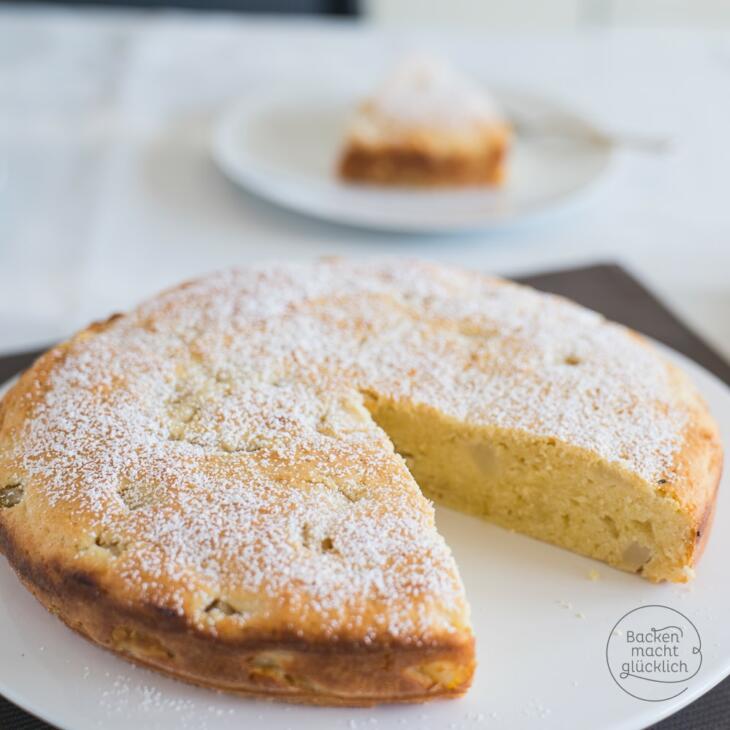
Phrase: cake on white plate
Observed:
(427, 124)
(230, 483)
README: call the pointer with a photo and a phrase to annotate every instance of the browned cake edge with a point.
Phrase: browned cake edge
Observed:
(700, 463)
(282, 667)
(395, 165)
(697, 470)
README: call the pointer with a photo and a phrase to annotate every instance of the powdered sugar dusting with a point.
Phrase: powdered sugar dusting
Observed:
(128, 694)
(215, 440)
(426, 94)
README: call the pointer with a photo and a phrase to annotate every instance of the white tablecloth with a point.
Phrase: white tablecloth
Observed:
(107, 192)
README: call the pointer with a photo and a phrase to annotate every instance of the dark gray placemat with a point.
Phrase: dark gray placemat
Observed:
(608, 289)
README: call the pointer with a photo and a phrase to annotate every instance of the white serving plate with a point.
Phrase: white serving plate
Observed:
(283, 145)
(541, 627)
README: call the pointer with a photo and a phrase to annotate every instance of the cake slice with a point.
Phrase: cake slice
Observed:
(427, 125)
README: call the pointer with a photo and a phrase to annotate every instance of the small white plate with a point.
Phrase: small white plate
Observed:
(284, 147)
(541, 626)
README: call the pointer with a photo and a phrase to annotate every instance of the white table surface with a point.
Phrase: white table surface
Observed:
(107, 192)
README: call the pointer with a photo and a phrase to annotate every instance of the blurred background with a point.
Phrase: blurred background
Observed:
(108, 193)
(562, 14)
(488, 13)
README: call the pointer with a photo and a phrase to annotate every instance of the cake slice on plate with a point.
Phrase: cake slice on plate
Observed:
(428, 125)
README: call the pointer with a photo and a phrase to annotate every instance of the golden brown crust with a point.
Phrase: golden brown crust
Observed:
(697, 469)
(419, 166)
(284, 667)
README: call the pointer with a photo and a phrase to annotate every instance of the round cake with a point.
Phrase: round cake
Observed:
(232, 483)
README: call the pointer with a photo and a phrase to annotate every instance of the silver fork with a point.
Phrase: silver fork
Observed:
(567, 129)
